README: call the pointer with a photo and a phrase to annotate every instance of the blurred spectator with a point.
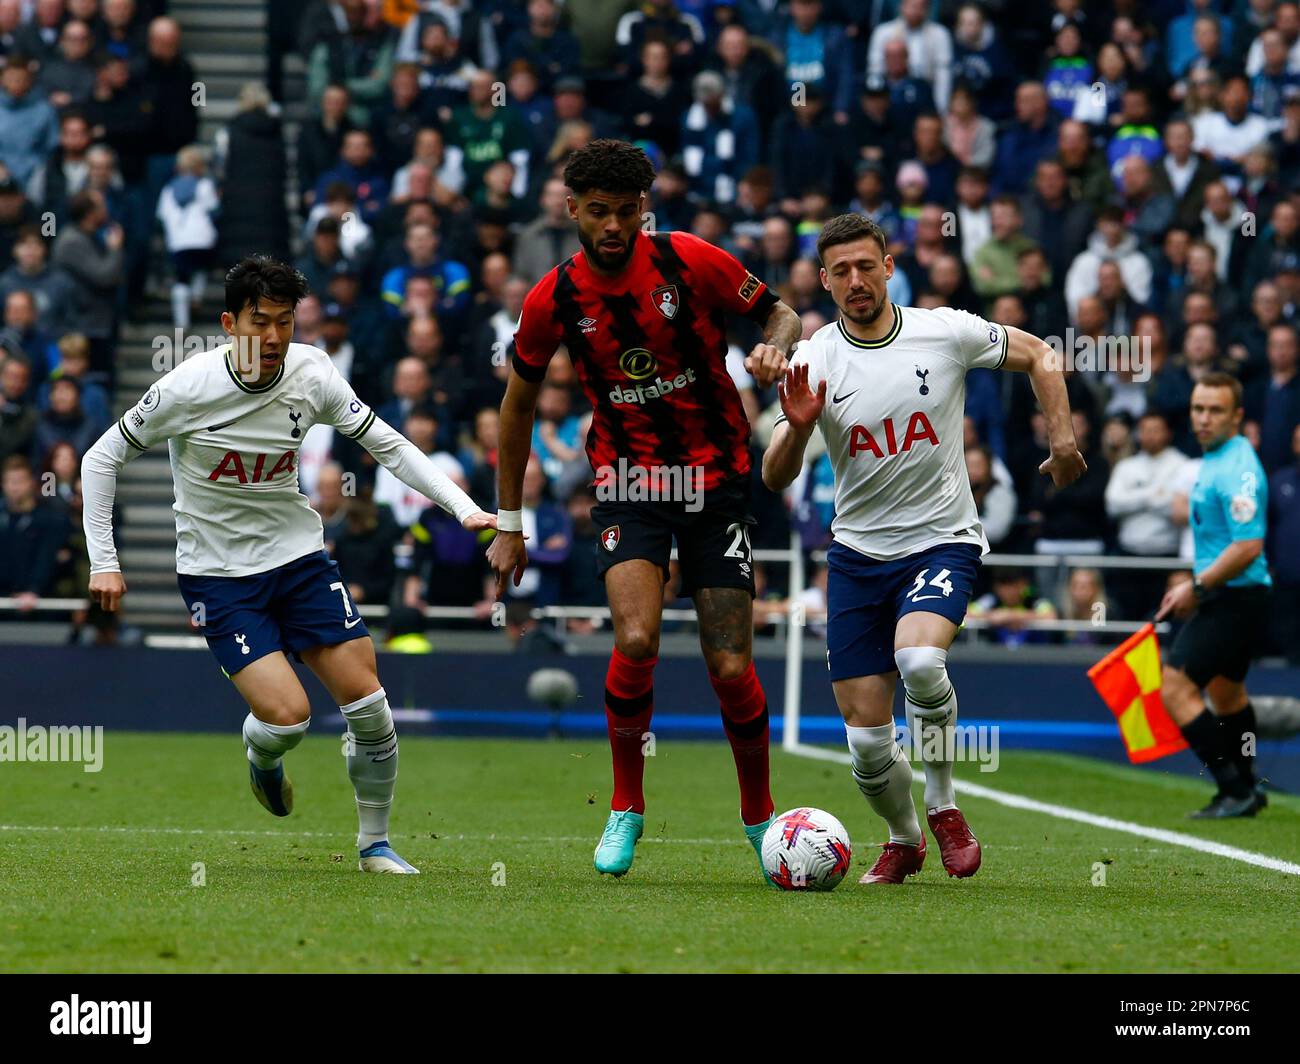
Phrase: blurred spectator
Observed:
(995, 500)
(551, 51)
(558, 433)
(749, 74)
(358, 56)
(1010, 607)
(74, 362)
(65, 421)
(719, 140)
(20, 330)
(253, 219)
(548, 529)
(1248, 344)
(1085, 599)
(1139, 498)
(398, 117)
(357, 168)
(38, 37)
(1030, 137)
(929, 47)
(969, 135)
(66, 170)
(406, 505)
(653, 104)
(1172, 387)
(186, 209)
(90, 251)
(1189, 173)
(29, 128)
(1109, 242)
(1148, 211)
(994, 269)
(485, 132)
(50, 287)
(18, 415)
(1274, 400)
(68, 76)
(980, 61)
(548, 240)
(1073, 519)
(320, 140)
(1085, 167)
(363, 547)
(1283, 552)
(661, 19)
(32, 532)
(1230, 132)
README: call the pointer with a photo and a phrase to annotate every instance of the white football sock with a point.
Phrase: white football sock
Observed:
(372, 763)
(931, 716)
(267, 743)
(884, 776)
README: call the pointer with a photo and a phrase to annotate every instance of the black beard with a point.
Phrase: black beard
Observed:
(866, 319)
(603, 261)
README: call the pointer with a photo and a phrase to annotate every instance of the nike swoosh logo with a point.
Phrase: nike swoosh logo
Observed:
(926, 598)
(838, 398)
(353, 624)
(225, 425)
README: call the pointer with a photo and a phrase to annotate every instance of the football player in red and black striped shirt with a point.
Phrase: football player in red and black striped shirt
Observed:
(642, 315)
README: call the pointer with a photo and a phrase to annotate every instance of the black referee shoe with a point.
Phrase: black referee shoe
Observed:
(1225, 806)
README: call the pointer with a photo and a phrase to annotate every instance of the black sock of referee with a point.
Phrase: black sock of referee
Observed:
(1208, 740)
(1239, 736)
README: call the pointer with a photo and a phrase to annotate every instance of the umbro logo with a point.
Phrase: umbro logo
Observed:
(587, 325)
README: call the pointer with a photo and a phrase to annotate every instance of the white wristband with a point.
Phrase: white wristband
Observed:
(510, 520)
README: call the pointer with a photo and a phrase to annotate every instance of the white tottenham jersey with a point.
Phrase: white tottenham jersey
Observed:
(893, 424)
(234, 458)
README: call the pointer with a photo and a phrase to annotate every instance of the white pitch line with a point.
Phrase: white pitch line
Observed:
(142, 830)
(1063, 812)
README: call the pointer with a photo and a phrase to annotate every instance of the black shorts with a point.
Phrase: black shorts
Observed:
(712, 541)
(1228, 630)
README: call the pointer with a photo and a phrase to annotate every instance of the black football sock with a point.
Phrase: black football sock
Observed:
(1239, 735)
(1207, 739)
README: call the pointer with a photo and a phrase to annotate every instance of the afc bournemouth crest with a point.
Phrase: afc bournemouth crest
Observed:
(665, 300)
(609, 538)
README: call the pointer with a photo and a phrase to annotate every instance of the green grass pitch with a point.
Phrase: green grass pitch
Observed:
(99, 870)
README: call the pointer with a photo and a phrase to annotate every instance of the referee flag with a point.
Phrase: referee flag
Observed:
(1128, 680)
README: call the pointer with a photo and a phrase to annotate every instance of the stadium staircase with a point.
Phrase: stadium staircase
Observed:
(226, 42)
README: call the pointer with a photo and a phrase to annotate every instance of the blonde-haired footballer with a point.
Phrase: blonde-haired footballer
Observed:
(886, 386)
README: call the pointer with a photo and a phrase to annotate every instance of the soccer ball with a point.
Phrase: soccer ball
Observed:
(806, 849)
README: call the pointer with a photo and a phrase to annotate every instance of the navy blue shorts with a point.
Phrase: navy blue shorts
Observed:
(300, 605)
(865, 598)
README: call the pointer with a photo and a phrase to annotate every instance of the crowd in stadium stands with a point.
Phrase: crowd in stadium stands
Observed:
(1119, 176)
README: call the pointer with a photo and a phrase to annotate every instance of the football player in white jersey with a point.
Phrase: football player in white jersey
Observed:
(886, 386)
(250, 556)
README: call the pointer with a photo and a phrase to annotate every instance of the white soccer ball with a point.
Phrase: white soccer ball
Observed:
(806, 849)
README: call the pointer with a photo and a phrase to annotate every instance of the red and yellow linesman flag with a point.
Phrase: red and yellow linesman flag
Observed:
(1128, 680)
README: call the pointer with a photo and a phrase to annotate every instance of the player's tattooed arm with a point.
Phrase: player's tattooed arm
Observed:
(1026, 353)
(781, 331)
(726, 626)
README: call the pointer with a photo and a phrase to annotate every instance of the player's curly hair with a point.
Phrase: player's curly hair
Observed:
(611, 166)
(260, 277)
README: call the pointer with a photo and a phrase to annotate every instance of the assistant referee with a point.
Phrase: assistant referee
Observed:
(1227, 601)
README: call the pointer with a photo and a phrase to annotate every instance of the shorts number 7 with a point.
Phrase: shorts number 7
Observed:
(342, 590)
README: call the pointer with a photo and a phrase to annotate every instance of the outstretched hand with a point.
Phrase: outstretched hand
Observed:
(801, 406)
